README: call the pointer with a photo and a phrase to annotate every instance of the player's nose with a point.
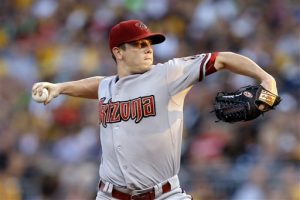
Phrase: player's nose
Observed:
(148, 50)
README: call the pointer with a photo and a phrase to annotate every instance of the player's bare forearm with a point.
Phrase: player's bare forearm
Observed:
(85, 88)
(242, 65)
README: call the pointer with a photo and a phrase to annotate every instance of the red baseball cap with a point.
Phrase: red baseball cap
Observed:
(130, 31)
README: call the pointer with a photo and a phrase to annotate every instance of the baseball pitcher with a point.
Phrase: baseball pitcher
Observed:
(141, 111)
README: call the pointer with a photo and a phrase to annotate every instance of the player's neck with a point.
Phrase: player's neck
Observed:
(124, 70)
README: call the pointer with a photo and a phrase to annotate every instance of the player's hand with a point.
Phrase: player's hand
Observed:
(53, 89)
(269, 84)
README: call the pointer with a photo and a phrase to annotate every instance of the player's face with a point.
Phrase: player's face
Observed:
(138, 55)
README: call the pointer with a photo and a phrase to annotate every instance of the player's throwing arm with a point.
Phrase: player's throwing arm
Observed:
(44, 92)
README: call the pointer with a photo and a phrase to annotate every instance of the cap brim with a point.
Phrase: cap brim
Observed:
(156, 38)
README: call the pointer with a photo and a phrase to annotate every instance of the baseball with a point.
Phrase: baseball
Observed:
(41, 98)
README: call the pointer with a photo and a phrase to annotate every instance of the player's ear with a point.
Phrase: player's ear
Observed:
(117, 53)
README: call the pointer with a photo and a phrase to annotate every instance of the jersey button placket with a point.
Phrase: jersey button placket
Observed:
(117, 91)
(116, 127)
(119, 148)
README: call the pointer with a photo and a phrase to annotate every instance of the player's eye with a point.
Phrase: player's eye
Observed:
(141, 43)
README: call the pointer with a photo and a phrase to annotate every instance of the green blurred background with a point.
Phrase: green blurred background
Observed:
(53, 152)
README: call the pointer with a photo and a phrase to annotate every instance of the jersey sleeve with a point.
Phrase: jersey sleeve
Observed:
(184, 72)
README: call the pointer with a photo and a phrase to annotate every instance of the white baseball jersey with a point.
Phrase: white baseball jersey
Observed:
(141, 121)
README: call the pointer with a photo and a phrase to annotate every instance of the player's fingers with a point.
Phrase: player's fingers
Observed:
(263, 107)
(36, 85)
(52, 94)
(47, 100)
(50, 97)
(37, 88)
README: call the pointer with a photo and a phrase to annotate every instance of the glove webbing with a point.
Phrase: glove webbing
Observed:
(236, 110)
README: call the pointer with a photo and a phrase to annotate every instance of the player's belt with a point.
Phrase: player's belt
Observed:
(150, 195)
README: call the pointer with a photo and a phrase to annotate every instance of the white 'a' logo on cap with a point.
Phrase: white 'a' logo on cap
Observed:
(141, 26)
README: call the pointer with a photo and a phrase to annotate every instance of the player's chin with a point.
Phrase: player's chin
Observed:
(148, 62)
(144, 69)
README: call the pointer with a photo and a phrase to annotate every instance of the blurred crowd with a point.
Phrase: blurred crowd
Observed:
(53, 152)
